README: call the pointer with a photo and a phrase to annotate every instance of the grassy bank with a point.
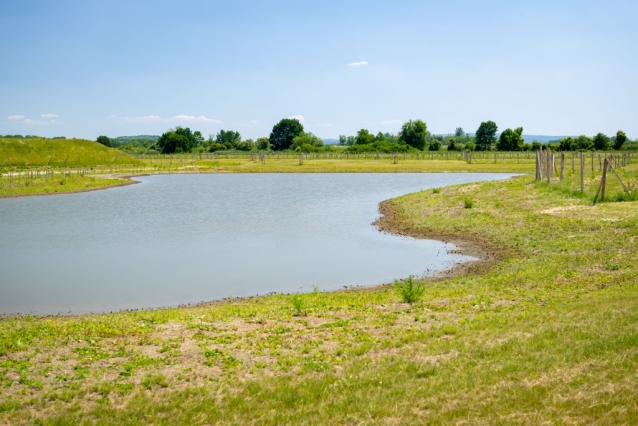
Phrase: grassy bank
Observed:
(24, 153)
(547, 335)
(17, 185)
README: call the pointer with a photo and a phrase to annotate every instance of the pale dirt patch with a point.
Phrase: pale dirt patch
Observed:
(502, 303)
(467, 188)
(563, 209)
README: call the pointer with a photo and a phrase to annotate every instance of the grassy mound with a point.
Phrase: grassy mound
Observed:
(547, 335)
(58, 153)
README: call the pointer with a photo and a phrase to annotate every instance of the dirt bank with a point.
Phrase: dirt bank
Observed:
(487, 253)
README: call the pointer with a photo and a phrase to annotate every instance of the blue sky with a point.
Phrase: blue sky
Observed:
(78, 68)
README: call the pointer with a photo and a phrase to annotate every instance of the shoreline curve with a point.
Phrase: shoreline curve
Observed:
(487, 255)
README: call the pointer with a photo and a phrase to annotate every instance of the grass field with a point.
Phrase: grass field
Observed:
(21, 153)
(549, 335)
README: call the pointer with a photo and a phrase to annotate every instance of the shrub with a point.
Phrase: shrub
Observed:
(299, 305)
(409, 291)
(468, 203)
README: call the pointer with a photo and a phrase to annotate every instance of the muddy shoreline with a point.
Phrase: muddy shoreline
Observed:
(487, 254)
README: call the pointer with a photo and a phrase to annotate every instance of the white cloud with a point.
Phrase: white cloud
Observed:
(190, 118)
(392, 122)
(142, 119)
(357, 64)
(324, 125)
(299, 117)
(34, 122)
(49, 116)
(16, 117)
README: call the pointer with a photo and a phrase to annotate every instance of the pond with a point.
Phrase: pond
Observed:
(179, 239)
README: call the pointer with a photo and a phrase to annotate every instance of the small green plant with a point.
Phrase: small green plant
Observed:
(315, 289)
(409, 291)
(151, 380)
(436, 190)
(468, 204)
(299, 305)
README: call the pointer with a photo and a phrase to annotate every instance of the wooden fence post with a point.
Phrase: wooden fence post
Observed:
(582, 172)
(549, 165)
(603, 184)
(562, 164)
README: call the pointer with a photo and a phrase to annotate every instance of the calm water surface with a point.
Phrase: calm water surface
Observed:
(177, 239)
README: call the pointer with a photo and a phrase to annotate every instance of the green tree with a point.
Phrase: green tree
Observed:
(306, 142)
(435, 145)
(584, 143)
(364, 137)
(567, 144)
(350, 140)
(228, 138)
(178, 140)
(451, 144)
(104, 140)
(459, 133)
(284, 132)
(621, 138)
(199, 138)
(263, 144)
(511, 140)
(247, 145)
(414, 133)
(601, 142)
(342, 140)
(485, 135)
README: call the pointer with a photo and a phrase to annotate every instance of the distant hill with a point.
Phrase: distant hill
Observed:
(59, 152)
(125, 139)
(542, 138)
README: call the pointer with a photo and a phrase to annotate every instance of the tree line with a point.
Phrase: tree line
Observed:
(289, 134)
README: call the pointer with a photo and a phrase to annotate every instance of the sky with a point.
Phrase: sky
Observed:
(83, 69)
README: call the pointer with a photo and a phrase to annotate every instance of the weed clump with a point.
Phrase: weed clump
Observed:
(468, 203)
(409, 291)
(436, 190)
(299, 305)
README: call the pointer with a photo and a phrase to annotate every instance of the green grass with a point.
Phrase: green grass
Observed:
(21, 153)
(21, 184)
(547, 336)
(333, 165)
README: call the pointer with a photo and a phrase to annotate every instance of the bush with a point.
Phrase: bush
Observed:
(299, 305)
(468, 204)
(435, 145)
(409, 291)
(104, 140)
